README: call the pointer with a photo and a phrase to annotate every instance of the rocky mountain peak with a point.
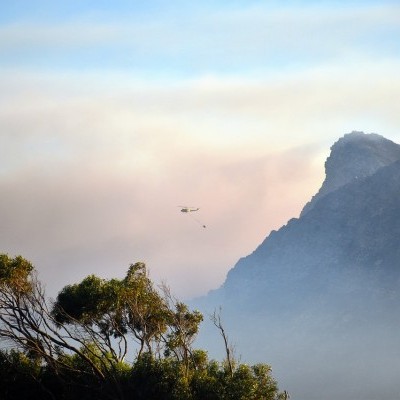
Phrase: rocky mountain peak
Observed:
(354, 156)
(326, 286)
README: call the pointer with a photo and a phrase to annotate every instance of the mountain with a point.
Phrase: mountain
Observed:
(319, 299)
(355, 156)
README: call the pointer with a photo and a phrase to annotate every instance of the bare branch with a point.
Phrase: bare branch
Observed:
(229, 350)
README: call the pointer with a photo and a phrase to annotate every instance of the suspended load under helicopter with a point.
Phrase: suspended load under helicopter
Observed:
(190, 210)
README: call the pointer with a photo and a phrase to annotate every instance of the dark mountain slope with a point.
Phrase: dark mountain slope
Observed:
(319, 298)
(354, 227)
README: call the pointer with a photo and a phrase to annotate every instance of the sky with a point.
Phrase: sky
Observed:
(114, 114)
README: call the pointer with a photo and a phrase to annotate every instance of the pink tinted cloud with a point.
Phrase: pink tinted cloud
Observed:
(76, 221)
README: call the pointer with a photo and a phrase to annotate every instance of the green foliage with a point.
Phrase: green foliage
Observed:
(209, 381)
(15, 273)
(77, 348)
(146, 312)
(162, 379)
(115, 306)
(183, 327)
(76, 362)
(19, 377)
(252, 383)
(267, 387)
(149, 379)
(86, 301)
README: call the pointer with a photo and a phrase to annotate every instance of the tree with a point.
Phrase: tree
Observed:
(77, 345)
(28, 325)
(229, 351)
(183, 326)
(147, 313)
(92, 308)
(112, 309)
(15, 274)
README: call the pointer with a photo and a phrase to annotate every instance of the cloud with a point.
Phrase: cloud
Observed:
(92, 171)
(76, 221)
(90, 186)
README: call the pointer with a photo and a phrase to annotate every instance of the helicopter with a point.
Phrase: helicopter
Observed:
(186, 209)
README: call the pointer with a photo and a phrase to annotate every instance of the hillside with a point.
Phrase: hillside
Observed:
(319, 298)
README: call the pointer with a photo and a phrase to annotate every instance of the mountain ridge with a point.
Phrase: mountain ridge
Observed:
(356, 155)
(330, 277)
